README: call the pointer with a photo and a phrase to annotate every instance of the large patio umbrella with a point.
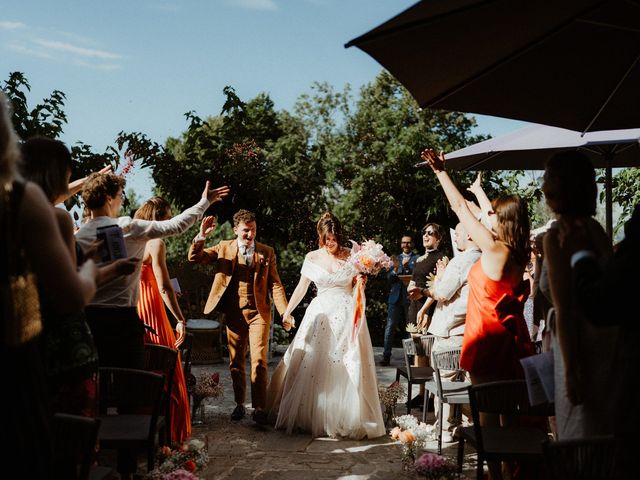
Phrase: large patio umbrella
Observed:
(529, 148)
(569, 63)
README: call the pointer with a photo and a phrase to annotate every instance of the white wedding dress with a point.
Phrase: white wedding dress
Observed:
(326, 383)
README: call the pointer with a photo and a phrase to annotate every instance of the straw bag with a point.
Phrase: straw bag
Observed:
(21, 320)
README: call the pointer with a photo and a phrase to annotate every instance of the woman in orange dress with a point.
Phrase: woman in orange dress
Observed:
(495, 333)
(156, 292)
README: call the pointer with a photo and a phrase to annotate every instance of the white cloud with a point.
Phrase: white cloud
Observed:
(24, 50)
(80, 51)
(6, 25)
(256, 4)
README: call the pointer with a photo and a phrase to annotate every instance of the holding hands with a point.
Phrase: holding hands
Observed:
(288, 322)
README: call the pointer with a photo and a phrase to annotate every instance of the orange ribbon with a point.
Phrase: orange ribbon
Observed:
(358, 311)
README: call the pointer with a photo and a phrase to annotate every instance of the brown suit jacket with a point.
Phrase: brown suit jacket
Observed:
(265, 279)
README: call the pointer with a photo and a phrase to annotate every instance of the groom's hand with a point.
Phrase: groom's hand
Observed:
(207, 226)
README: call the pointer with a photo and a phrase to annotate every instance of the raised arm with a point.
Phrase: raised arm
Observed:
(197, 252)
(494, 251)
(76, 186)
(481, 196)
(179, 223)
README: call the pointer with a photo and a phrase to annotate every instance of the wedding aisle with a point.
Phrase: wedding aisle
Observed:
(244, 450)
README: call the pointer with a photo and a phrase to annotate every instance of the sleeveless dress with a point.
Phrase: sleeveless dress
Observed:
(495, 332)
(152, 312)
(326, 383)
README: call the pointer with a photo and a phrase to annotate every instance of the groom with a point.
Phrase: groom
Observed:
(245, 275)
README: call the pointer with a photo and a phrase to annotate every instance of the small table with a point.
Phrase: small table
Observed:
(207, 346)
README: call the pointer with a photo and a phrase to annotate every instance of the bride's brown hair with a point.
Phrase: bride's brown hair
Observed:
(327, 224)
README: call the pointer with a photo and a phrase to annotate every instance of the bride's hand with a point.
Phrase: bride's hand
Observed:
(288, 322)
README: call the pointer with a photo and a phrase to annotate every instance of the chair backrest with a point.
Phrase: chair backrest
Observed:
(409, 350)
(427, 344)
(445, 360)
(128, 390)
(585, 459)
(507, 397)
(75, 440)
(162, 360)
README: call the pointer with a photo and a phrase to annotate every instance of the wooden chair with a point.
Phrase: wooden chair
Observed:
(75, 440)
(414, 375)
(585, 459)
(161, 359)
(509, 440)
(452, 392)
(129, 404)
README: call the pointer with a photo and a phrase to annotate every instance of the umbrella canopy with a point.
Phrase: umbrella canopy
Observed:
(530, 147)
(570, 63)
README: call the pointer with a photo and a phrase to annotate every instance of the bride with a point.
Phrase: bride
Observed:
(326, 382)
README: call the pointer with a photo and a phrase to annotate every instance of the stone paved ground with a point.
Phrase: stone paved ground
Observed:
(243, 450)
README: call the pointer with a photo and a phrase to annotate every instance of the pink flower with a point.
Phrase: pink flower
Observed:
(395, 433)
(261, 259)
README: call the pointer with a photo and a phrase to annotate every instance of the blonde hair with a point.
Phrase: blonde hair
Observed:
(156, 208)
(327, 224)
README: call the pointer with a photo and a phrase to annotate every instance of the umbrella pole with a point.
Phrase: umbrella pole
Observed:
(608, 195)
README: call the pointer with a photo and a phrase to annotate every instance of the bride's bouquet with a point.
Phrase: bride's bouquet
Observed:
(369, 258)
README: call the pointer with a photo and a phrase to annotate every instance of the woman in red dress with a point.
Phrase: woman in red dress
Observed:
(495, 334)
(156, 292)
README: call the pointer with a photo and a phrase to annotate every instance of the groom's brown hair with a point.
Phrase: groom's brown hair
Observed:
(243, 216)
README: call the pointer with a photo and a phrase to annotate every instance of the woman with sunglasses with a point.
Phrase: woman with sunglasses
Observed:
(495, 334)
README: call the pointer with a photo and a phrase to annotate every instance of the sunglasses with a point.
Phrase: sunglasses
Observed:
(431, 233)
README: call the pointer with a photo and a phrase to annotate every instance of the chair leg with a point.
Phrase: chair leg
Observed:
(480, 468)
(440, 427)
(427, 397)
(460, 453)
(409, 396)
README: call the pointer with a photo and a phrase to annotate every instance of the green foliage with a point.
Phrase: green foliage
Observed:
(626, 192)
(46, 118)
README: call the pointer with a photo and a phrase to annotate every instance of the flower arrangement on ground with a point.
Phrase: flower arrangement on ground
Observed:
(412, 435)
(389, 398)
(203, 386)
(435, 467)
(181, 463)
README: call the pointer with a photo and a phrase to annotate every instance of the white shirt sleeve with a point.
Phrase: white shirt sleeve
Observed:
(136, 228)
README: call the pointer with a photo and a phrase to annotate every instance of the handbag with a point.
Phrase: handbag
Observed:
(21, 319)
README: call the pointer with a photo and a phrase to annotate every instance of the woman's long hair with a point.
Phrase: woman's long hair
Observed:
(513, 225)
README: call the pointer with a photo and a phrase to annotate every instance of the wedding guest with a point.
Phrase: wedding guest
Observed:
(71, 358)
(246, 275)
(583, 353)
(451, 291)
(156, 291)
(432, 236)
(594, 281)
(398, 301)
(112, 315)
(495, 334)
(27, 218)
(326, 382)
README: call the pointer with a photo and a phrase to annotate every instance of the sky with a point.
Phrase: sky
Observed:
(139, 65)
